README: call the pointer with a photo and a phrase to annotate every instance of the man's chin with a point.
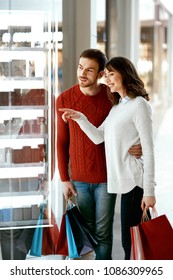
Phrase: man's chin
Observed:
(83, 84)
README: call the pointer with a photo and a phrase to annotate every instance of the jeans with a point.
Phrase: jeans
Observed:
(131, 214)
(97, 208)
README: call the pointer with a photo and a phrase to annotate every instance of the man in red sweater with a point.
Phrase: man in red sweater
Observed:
(81, 163)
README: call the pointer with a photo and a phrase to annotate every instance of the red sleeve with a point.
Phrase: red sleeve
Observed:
(62, 142)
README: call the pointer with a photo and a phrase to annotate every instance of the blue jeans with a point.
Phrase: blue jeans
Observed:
(97, 207)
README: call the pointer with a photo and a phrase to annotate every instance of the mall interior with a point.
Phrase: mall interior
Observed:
(40, 44)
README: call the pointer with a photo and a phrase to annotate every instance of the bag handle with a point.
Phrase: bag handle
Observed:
(145, 217)
(69, 204)
(153, 213)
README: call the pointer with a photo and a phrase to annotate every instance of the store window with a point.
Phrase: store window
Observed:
(29, 39)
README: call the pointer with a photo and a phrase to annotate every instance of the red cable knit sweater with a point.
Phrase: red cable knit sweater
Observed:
(78, 157)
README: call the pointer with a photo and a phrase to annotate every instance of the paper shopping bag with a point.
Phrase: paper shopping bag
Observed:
(84, 240)
(137, 252)
(72, 249)
(156, 238)
(36, 247)
(62, 247)
(50, 236)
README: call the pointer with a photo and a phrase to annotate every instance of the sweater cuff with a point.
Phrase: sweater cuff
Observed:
(82, 118)
(149, 191)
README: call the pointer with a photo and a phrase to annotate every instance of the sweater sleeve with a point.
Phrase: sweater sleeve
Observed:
(96, 135)
(143, 122)
(62, 143)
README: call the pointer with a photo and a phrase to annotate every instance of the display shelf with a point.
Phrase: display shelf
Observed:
(29, 170)
(37, 83)
(16, 202)
(24, 224)
(19, 165)
(24, 136)
(23, 107)
(25, 119)
(4, 50)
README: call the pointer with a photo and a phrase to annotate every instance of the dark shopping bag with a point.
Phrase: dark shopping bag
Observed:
(72, 249)
(62, 247)
(155, 237)
(84, 240)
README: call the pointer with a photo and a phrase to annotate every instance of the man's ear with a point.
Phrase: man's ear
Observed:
(100, 75)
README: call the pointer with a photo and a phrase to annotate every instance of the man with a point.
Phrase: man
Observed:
(81, 163)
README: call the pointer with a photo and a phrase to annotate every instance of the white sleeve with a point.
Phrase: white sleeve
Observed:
(143, 122)
(95, 134)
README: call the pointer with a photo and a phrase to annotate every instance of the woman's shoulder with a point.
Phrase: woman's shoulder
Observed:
(142, 105)
(141, 100)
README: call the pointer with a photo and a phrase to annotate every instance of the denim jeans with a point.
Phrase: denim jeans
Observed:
(97, 207)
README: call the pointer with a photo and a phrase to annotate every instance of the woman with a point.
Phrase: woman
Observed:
(128, 123)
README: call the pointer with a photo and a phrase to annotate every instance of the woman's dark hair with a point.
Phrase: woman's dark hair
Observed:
(96, 55)
(131, 81)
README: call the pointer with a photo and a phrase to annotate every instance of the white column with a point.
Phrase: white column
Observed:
(123, 28)
(128, 29)
(79, 33)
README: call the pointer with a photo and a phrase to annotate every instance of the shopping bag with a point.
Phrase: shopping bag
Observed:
(36, 246)
(72, 249)
(137, 252)
(50, 236)
(62, 247)
(84, 240)
(156, 238)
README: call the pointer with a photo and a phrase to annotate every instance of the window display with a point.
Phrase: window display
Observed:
(25, 121)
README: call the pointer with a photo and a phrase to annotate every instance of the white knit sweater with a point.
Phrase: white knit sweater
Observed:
(127, 124)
